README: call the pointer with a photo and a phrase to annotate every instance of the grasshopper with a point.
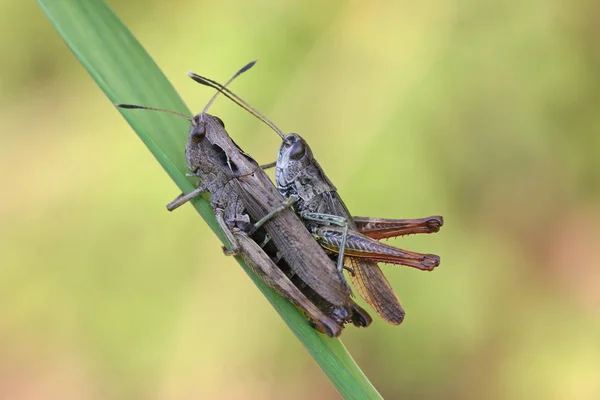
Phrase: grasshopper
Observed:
(299, 176)
(354, 240)
(241, 194)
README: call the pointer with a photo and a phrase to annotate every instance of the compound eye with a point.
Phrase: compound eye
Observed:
(220, 121)
(198, 132)
(297, 151)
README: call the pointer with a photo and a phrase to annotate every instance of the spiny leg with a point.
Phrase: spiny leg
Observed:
(383, 228)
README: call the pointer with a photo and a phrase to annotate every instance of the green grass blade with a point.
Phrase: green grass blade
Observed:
(127, 74)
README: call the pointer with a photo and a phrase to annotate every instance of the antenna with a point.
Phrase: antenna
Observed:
(241, 71)
(134, 107)
(235, 98)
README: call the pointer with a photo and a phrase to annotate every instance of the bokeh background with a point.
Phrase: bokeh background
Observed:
(484, 112)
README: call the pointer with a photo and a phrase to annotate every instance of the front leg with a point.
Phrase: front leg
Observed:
(184, 198)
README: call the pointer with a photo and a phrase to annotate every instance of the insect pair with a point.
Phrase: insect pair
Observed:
(299, 237)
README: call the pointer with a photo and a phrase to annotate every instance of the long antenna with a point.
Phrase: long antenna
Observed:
(235, 98)
(134, 107)
(241, 71)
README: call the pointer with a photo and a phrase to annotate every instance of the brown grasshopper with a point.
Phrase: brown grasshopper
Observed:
(301, 179)
(240, 194)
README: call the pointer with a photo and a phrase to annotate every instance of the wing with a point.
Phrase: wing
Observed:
(375, 289)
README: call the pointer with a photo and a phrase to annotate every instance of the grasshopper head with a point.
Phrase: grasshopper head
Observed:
(196, 147)
(294, 157)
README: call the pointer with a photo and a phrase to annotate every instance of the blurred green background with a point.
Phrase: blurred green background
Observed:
(485, 113)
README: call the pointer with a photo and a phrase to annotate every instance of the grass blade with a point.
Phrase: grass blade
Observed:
(127, 74)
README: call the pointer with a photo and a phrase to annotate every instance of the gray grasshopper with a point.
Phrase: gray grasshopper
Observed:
(299, 176)
(242, 194)
(301, 179)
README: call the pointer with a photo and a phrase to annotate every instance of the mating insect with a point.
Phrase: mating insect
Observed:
(315, 199)
(241, 195)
